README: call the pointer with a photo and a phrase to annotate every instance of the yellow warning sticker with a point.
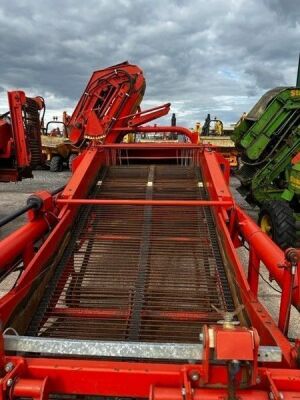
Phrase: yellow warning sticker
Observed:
(295, 92)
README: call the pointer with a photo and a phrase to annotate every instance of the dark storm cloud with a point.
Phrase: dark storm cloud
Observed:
(217, 56)
(264, 76)
(285, 9)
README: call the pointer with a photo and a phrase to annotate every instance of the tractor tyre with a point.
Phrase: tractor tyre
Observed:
(56, 164)
(277, 220)
(71, 159)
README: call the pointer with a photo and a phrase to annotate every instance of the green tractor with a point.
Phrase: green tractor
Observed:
(268, 138)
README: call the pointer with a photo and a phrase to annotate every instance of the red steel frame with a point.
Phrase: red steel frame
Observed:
(16, 147)
(14, 141)
(223, 346)
(35, 377)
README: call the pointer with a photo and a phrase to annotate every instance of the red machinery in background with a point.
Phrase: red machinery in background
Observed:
(110, 108)
(130, 284)
(20, 137)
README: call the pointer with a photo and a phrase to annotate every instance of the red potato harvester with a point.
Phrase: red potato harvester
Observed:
(20, 137)
(130, 284)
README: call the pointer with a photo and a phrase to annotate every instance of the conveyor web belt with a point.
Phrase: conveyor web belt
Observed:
(138, 273)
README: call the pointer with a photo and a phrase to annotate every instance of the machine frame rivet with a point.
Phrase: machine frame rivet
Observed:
(9, 382)
(9, 367)
(194, 376)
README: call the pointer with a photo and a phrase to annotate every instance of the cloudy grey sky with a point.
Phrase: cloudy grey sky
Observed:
(216, 56)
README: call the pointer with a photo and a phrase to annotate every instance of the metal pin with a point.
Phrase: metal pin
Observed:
(10, 382)
(9, 367)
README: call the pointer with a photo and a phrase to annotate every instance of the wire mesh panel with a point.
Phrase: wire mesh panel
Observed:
(138, 273)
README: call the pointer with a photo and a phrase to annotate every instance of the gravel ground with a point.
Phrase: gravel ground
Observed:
(14, 195)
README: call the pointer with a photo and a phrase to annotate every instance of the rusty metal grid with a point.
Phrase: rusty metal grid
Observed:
(139, 273)
(33, 130)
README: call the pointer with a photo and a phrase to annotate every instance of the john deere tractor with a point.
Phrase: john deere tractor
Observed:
(268, 138)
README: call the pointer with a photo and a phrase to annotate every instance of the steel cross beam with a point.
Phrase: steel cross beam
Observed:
(136, 350)
(134, 202)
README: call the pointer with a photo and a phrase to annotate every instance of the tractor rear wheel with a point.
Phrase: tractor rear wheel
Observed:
(56, 164)
(276, 219)
(71, 159)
